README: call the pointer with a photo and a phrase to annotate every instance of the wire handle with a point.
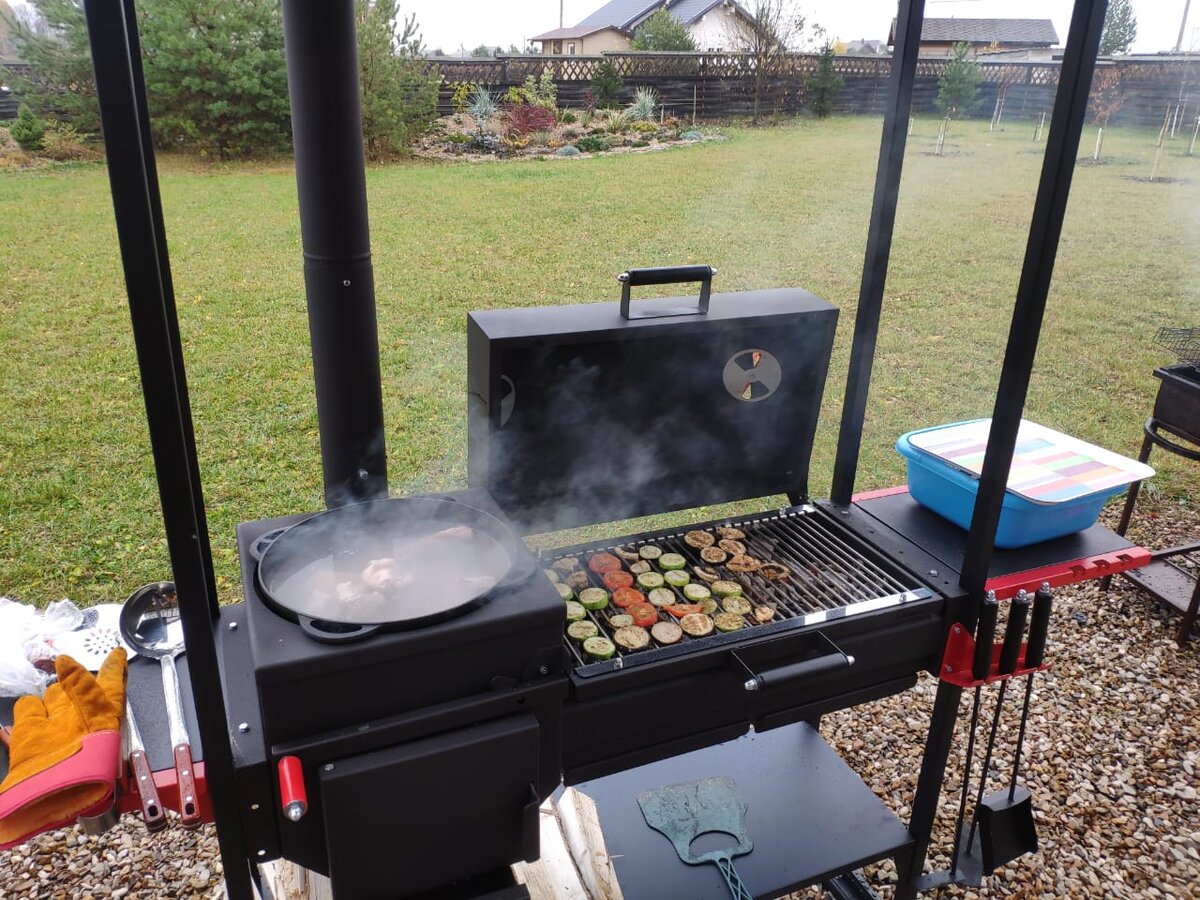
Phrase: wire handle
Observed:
(737, 889)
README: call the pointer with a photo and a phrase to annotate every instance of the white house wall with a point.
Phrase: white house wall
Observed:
(716, 29)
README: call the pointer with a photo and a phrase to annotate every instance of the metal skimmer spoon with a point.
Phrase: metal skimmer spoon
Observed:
(150, 622)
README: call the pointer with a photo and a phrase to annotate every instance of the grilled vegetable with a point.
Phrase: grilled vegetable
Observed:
(662, 596)
(566, 565)
(696, 592)
(728, 622)
(644, 614)
(578, 580)
(669, 562)
(552, 575)
(763, 613)
(575, 611)
(679, 610)
(708, 607)
(714, 555)
(617, 579)
(564, 590)
(704, 573)
(581, 631)
(620, 621)
(627, 597)
(593, 598)
(649, 551)
(603, 562)
(639, 567)
(725, 589)
(666, 632)
(632, 637)
(676, 578)
(699, 539)
(696, 625)
(730, 533)
(743, 563)
(774, 571)
(599, 648)
(626, 554)
(648, 581)
(730, 546)
(739, 606)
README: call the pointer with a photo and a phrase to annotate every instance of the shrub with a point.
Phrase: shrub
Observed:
(567, 117)
(640, 142)
(63, 143)
(526, 119)
(589, 101)
(569, 134)
(643, 127)
(458, 138)
(482, 106)
(645, 100)
(825, 84)
(567, 151)
(663, 31)
(613, 120)
(461, 95)
(594, 143)
(606, 85)
(538, 139)
(692, 135)
(28, 130)
(959, 82)
(485, 142)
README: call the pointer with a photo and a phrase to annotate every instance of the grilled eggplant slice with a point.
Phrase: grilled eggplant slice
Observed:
(599, 648)
(696, 624)
(699, 539)
(581, 631)
(666, 632)
(578, 580)
(575, 611)
(640, 567)
(774, 571)
(626, 553)
(714, 555)
(669, 562)
(632, 637)
(725, 589)
(620, 621)
(743, 563)
(728, 622)
(732, 547)
(763, 614)
(566, 565)
(704, 573)
(729, 533)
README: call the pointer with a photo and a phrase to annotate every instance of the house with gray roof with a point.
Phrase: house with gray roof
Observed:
(712, 24)
(1012, 38)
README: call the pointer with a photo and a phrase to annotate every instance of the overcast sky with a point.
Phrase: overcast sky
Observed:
(449, 24)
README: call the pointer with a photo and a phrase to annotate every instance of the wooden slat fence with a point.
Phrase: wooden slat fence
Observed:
(720, 85)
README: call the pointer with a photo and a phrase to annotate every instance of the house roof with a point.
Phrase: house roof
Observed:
(1038, 32)
(625, 15)
(561, 34)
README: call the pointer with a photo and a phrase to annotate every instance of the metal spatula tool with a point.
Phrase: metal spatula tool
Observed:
(91, 642)
(683, 812)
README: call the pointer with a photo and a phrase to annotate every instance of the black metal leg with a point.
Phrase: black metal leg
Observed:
(929, 788)
(1130, 502)
(1189, 617)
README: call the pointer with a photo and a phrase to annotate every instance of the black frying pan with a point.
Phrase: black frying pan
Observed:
(439, 559)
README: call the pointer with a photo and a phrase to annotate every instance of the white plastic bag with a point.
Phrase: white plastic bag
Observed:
(23, 633)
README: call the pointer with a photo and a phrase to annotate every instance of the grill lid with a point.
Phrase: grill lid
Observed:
(577, 415)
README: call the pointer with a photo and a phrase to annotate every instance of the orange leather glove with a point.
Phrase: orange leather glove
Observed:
(64, 750)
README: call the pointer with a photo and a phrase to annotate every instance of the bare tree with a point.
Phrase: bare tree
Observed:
(774, 27)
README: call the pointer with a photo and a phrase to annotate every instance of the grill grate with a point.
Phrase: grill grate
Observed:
(1183, 342)
(833, 575)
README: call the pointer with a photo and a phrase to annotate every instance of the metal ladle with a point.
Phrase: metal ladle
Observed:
(150, 622)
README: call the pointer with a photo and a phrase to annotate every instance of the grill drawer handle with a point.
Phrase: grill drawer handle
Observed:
(809, 668)
(667, 275)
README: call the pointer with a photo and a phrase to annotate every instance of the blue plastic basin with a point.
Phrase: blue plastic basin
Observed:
(951, 493)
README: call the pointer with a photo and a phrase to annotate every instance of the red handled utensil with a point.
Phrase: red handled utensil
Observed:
(143, 777)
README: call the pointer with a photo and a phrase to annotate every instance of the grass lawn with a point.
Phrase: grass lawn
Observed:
(79, 511)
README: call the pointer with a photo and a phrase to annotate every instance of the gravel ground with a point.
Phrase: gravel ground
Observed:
(1112, 758)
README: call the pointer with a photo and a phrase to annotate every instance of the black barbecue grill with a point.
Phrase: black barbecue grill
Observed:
(576, 415)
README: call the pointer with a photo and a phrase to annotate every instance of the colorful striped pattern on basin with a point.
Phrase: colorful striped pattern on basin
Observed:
(1048, 466)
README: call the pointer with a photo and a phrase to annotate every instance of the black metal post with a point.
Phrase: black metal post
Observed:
(120, 89)
(929, 788)
(331, 180)
(1062, 148)
(910, 17)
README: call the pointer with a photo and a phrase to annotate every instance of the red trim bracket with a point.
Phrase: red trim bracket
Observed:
(959, 658)
(1059, 574)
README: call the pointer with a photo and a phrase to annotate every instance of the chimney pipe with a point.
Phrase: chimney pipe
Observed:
(332, 186)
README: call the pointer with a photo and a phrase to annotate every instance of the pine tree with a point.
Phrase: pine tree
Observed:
(399, 89)
(1120, 28)
(60, 81)
(825, 83)
(959, 82)
(27, 130)
(664, 32)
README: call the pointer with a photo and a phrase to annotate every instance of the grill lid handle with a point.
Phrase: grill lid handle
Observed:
(667, 275)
